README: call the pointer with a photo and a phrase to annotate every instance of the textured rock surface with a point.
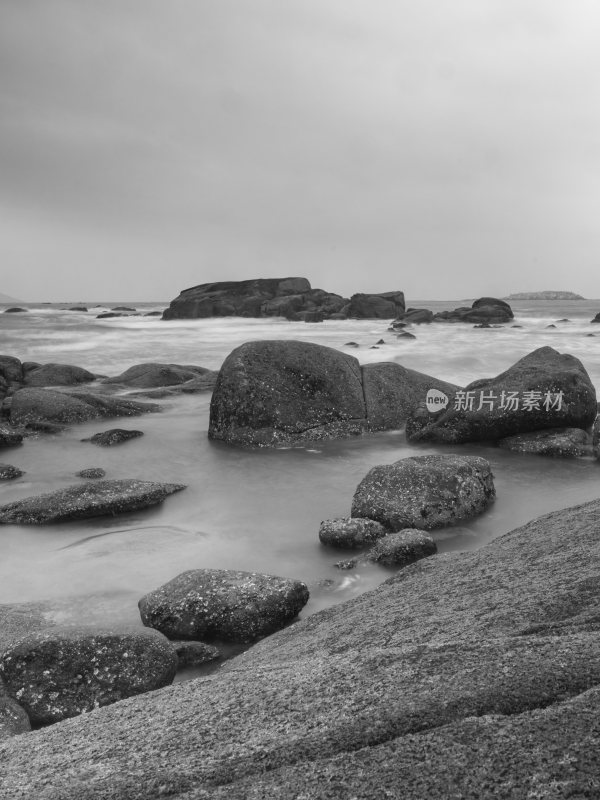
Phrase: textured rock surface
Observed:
(386, 305)
(86, 500)
(223, 604)
(466, 675)
(31, 405)
(392, 393)
(596, 437)
(194, 654)
(425, 492)
(402, 548)
(274, 392)
(113, 436)
(545, 373)
(559, 443)
(350, 533)
(9, 473)
(91, 472)
(67, 671)
(485, 309)
(13, 717)
(261, 297)
(58, 375)
(9, 437)
(152, 375)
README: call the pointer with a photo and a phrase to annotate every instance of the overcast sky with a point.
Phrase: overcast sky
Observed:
(448, 148)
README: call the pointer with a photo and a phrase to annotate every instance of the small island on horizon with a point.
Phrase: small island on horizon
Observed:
(547, 295)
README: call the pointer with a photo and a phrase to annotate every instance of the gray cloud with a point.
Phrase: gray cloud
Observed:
(444, 149)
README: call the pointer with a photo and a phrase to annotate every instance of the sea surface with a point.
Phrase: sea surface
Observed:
(253, 509)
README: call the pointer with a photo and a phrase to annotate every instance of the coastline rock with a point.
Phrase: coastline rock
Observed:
(66, 671)
(416, 316)
(92, 472)
(11, 369)
(386, 305)
(280, 392)
(57, 375)
(86, 500)
(402, 548)
(9, 437)
(112, 314)
(485, 309)
(261, 297)
(152, 375)
(15, 310)
(13, 718)
(425, 492)
(223, 604)
(113, 436)
(77, 308)
(558, 443)
(351, 533)
(9, 473)
(31, 405)
(596, 318)
(544, 389)
(467, 675)
(194, 654)
(393, 393)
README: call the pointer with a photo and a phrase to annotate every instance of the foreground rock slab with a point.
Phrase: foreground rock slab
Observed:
(425, 492)
(87, 500)
(466, 675)
(67, 671)
(32, 405)
(223, 604)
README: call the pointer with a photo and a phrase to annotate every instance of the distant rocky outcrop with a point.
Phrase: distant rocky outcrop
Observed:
(280, 392)
(485, 309)
(546, 295)
(292, 298)
(544, 389)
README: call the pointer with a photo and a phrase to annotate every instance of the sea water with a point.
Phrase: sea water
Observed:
(253, 509)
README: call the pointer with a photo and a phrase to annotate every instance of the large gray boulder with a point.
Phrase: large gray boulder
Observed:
(58, 375)
(280, 392)
(425, 492)
(66, 671)
(467, 675)
(223, 604)
(392, 393)
(33, 405)
(87, 500)
(544, 389)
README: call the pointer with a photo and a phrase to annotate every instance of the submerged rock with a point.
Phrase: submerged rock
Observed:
(113, 436)
(67, 671)
(559, 443)
(278, 392)
(57, 375)
(425, 492)
(32, 405)
(87, 500)
(485, 309)
(91, 472)
(544, 389)
(351, 533)
(9, 473)
(223, 604)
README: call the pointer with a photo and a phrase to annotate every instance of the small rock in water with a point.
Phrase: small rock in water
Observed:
(92, 472)
(402, 548)
(113, 436)
(223, 604)
(8, 472)
(350, 532)
(381, 341)
(355, 344)
(405, 335)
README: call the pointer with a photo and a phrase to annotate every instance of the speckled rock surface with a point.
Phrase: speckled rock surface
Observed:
(192, 654)
(223, 604)
(557, 443)
(402, 548)
(58, 375)
(13, 717)
(8, 472)
(9, 437)
(425, 492)
(488, 414)
(281, 392)
(87, 500)
(466, 675)
(596, 437)
(113, 436)
(67, 671)
(32, 405)
(350, 533)
(92, 472)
